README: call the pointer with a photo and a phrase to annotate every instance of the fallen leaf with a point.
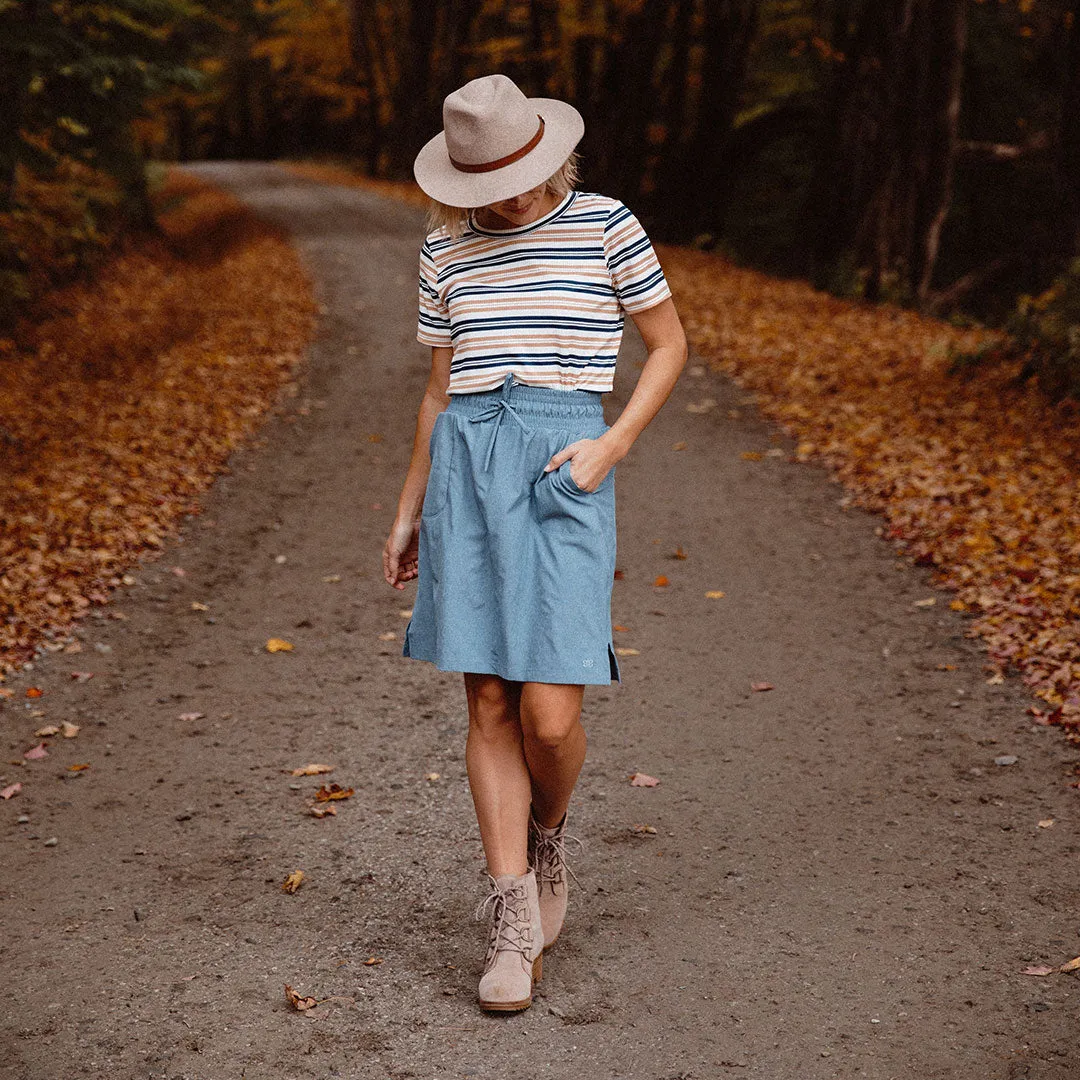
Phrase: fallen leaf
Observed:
(34, 691)
(958, 605)
(179, 571)
(1071, 965)
(322, 811)
(1039, 969)
(11, 790)
(620, 629)
(432, 776)
(1046, 823)
(679, 553)
(376, 437)
(649, 829)
(68, 730)
(996, 679)
(78, 768)
(930, 601)
(332, 579)
(36, 753)
(191, 716)
(678, 446)
(293, 881)
(334, 791)
(276, 644)
(82, 676)
(45, 732)
(622, 650)
(750, 455)
(405, 613)
(1006, 759)
(619, 574)
(388, 635)
(312, 770)
(761, 686)
(714, 594)
(640, 779)
(373, 961)
(945, 667)
(196, 606)
(661, 581)
(297, 1001)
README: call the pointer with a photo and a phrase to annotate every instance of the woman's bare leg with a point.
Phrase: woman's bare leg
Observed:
(498, 773)
(554, 743)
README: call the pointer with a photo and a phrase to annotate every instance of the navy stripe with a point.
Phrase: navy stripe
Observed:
(562, 361)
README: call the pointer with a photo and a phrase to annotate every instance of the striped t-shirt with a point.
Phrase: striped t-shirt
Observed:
(544, 300)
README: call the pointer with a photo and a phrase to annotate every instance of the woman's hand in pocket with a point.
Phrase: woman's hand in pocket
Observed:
(590, 460)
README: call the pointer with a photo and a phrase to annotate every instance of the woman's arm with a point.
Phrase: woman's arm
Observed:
(399, 554)
(662, 332)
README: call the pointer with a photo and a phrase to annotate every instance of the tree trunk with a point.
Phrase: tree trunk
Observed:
(729, 30)
(544, 46)
(1068, 157)
(412, 106)
(946, 73)
(676, 153)
(830, 200)
(624, 112)
(19, 68)
(891, 144)
(457, 31)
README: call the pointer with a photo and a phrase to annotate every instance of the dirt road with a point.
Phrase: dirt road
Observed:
(842, 882)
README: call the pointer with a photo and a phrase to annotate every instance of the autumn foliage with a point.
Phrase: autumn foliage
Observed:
(975, 474)
(121, 408)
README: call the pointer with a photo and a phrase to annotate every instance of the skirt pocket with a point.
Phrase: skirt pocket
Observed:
(558, 494)
(441, 452)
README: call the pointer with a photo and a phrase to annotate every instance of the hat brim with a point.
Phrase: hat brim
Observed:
(437, 177)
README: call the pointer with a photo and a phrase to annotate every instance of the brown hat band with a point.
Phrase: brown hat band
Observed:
(517, 155)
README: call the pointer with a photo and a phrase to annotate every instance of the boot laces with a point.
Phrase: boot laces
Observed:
(549, 854)
(511, 925)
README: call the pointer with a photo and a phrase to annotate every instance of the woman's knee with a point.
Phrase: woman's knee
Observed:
(493, 705)
(551, 713)
(549, 730)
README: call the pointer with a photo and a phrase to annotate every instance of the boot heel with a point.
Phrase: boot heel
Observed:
(538, 968)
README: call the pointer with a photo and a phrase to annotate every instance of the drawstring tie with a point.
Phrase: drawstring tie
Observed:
(500, 409)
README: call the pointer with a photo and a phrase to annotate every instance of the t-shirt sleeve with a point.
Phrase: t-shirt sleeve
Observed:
(433, 326)
(635, 270)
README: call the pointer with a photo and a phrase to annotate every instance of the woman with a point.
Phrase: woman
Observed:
(507, 512)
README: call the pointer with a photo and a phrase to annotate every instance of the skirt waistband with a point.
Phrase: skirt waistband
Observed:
(546, 401)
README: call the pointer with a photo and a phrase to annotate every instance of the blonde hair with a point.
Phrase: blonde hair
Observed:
(454, 219)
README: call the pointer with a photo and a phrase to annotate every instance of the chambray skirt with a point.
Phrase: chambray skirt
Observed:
(515, 565)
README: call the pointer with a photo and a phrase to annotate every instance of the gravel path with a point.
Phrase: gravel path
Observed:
(842, 883)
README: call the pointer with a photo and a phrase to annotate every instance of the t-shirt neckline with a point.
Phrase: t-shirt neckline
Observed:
(514, 230)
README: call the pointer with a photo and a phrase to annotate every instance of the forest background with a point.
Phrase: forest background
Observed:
(925, 152)
(918, 154)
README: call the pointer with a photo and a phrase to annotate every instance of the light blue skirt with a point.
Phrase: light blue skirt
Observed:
(515, 565)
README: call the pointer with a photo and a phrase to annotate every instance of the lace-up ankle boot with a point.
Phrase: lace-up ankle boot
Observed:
(547, 856)
(515, 943)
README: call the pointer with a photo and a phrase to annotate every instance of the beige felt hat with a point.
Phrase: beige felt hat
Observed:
(496, 143)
